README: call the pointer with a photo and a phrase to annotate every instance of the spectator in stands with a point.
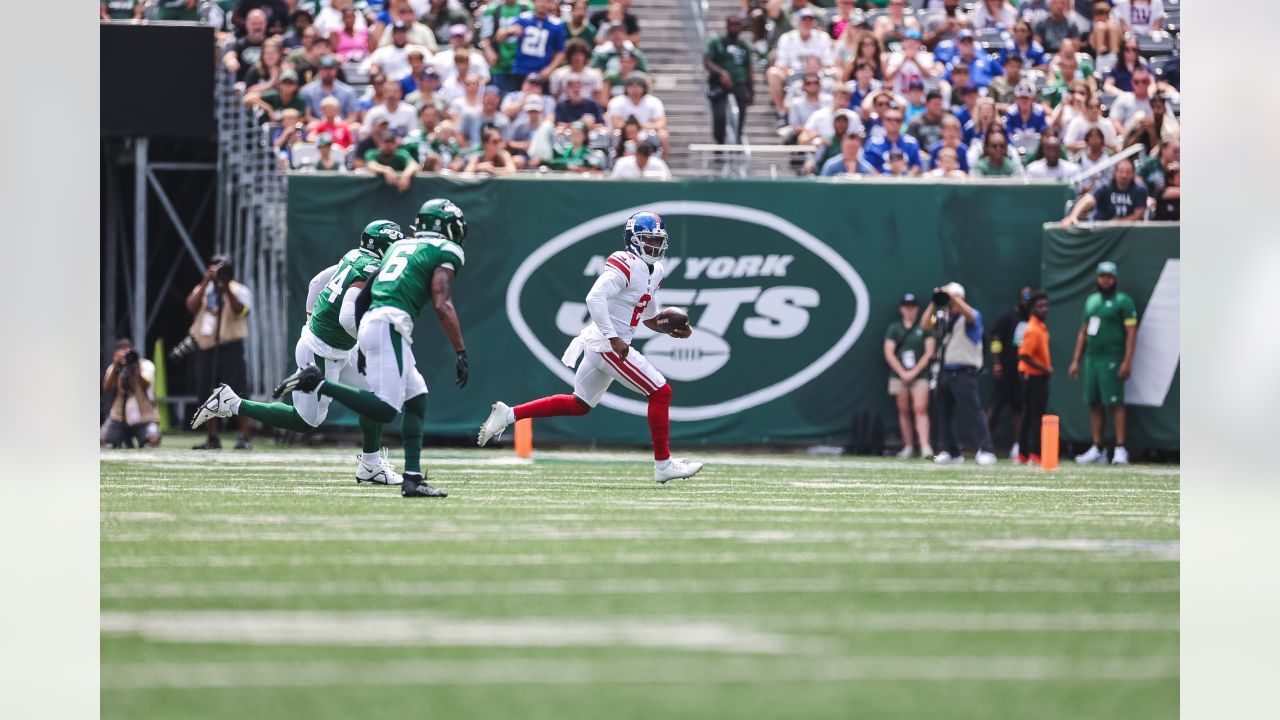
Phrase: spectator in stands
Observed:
(419, 34)
(629, 138)
(265, 74)
(351, 41)
(392, 59)
(1033, 11)
(577, 55)
(1051, 165)
(220, 309)
(864, 83)
(785, 17)
(248, 49)
(840, 124)
(575, 106)
(891, 28)
(1002, 88)
(402, 116)
(926, 127)
(392, 162)
(1168, 195)
(851, 160)
(946, 165)
(958, 382)
(289, 133)
(993, 14)
(912, 64)
(459, 59)
(133, 417)
(941, 35)
(306, 59)
(800, 108)
(1062, 23)
(500, 51)
(300, 21)
(981, 68)
(1025, 45)
(967, 97)
(1026, 116)
(893, 139)
(1094, 153)
(275, 12)
(1139, 16)
(1073, 137)
(443, 16)
(1151, 167)
(579, 27)
(1131, 103)
(615, 82)
(908, 351)
(513, 102)
(728, 62)
(793, 47)
(331, 125)
(363, 145)
(1105, 36)
(649, 110)
(1121, 200)
(952, 139)
(493, 158)
(329, 20)
(995, 160)
(1067, 67)
(285, 95)
(984, 116)
(417, 64)
(520, 132)
(120, 9)
(1074, 104)
(327, 85)
(641, 165)
(576, 157)
(605, 56)
(326, 161)
(846, 17)
(426, 93)
(487, 116)
(178, 10)
(1120, 79)
(872, 52)
(618, 12)
(464, 97)
(542, 38)
(420, 143)
(819, 128)
(1151, 129)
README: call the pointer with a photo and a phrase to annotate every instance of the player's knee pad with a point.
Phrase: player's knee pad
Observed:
(661, 396)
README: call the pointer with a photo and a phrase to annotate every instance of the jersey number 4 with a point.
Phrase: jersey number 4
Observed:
(644, 303)
(335, 285)
(397, 261)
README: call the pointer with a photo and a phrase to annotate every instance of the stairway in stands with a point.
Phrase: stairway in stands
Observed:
(761, 127)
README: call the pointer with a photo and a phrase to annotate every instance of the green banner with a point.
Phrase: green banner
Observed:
(1149, 268)
(789, 284)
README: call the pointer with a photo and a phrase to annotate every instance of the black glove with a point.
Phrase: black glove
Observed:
(463, 371)
(360, 361)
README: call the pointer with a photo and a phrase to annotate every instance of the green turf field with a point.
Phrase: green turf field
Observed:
(269, 585)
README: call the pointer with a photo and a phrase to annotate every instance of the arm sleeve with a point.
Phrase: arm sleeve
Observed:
(347, 313)
(363, 299)
(316, 286)
(606, 286)
(974, 329)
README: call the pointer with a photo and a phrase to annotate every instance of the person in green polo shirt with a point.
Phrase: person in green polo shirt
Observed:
(908, 350)
(728, 63)
(391, 161)
(1106, 341)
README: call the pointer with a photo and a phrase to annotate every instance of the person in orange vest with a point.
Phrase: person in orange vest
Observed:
(1035, 367)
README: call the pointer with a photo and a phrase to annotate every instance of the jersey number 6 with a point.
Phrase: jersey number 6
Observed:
(397, 261)
(644, 303)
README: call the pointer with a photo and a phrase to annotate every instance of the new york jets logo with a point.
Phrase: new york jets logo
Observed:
(772, 306)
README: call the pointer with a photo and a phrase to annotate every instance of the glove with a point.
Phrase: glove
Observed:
(463, 371)
(360, 361)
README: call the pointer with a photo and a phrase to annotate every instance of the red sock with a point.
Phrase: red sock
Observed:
(551, 406)
(660, 422)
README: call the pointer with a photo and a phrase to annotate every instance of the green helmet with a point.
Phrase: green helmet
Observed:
(442, 217)
(378, 235)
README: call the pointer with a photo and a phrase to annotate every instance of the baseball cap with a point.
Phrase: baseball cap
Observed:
(909, 299)
(324, 139)
(1024, 90)
(857, 133)
(457, 30)
(911, 34)
(965, 34)
(954, 288)
(633, 80)
(1106, 267)
(289, 76)
(805, 13)
(845, 113)
(430, 72)
(915, 85)
(399, 27)
(329, 61)
(533, 77)
(578, 125)
(533, 102)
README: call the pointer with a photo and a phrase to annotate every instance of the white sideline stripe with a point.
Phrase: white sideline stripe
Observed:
(981, 622)
(382, 629)
(628, 586)
(590, 671)
(1169, 548)
(832, 485)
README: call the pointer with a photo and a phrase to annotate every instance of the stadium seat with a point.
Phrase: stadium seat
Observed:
(1156, 44)
(304, 155)
(355, 74)
(1104, 65)
(1173, 21)
(1107, 100)
(338, 154)
(1026, 143)
(992, 39)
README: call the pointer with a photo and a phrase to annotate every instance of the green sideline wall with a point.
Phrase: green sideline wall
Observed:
(792, 278)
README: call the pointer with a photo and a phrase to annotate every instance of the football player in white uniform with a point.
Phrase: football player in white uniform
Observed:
(622, 297)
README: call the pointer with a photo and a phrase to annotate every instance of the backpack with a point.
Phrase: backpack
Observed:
(866, 434)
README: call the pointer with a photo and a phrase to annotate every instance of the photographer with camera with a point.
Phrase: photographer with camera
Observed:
(133, 417)
(958, 380)
(221, 309)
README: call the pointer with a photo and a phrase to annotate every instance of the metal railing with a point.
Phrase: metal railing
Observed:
(251, 229)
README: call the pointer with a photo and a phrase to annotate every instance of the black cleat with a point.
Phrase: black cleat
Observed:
(243, 443)
(414, 486)
(306, 380)
(213, 443)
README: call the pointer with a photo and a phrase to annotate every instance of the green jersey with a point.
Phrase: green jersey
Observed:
(1105, 321)
(734, 57)
(499, 16)
(407, 268)
(356, 266)
(908, 344)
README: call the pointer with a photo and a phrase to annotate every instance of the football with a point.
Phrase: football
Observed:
(672, 318)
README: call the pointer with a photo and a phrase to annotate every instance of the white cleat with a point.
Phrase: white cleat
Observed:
(906, 452)
(926, 452)
(985, 458)
(1120, 456)
(219, 405)
(1013, 452)
(945, 458)
(674, 469)
(1092, 455)
(494, 424)
(384, 473)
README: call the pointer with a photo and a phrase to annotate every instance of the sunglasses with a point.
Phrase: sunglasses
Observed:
(811, 82)
(998, 146)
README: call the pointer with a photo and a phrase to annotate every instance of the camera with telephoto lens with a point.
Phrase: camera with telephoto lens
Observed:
(130, 357)
(940, 298)
(183, 349)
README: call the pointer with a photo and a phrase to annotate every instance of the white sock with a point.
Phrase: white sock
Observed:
(662, 463)
(371, 459)
(234, 406)
(511, 415)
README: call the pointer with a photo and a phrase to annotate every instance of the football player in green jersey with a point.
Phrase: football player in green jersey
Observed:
(1107, 338)
(328, 341)
(414, 271)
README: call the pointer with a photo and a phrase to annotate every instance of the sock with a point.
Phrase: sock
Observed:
(275, 414)
(660, 422)
(552, 406)
(371, 459)
(372, 432)
(415, 411)
(361, 401)
(511, 415)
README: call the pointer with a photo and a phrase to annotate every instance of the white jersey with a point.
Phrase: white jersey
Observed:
(623, 296)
